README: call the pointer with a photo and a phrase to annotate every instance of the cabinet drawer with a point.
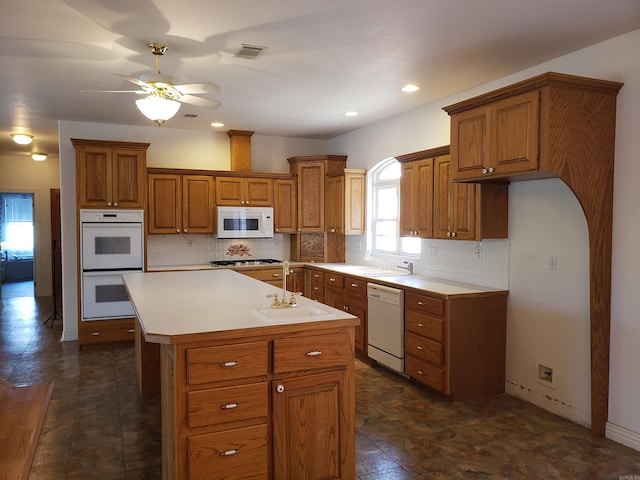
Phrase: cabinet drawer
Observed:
(317, 291)
(424, 348)
(332, 280)
(424, 372)
(103, 331)
(266, 274)
(227, 404)
(355, 286)
(424, 304)
(226, 362)
(303, 353)
(317, 276)
(239, 454)
(424, 325)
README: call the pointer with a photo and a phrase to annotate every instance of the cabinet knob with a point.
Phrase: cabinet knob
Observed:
(448, 234)
(484, 171)
(186, 230)
(108, 204)
(115, 204)
(453, 234)
(177, 230)
(490, 169)
(346, 308)
(280, 388)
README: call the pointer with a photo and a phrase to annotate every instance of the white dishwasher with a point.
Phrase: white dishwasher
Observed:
(385, 318)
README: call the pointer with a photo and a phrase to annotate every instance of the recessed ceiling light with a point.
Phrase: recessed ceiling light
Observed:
(350, 114)
(22, 138)
(410, 88)
(39, 157)
(217, 124)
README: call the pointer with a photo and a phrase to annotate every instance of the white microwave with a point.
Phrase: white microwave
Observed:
(245, 222)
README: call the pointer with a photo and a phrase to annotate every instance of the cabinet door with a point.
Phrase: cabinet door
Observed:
(354, 202)
(311, 404)
(229, 191)
(468, 143)
(416, 199)
(128, 178)
(514, 139)
(94, 176)
(311, 189)
(285, 206)
(454, 204)
(334, 215)
(407, 206)
(165, 203)
(198, 204)
(258, 192)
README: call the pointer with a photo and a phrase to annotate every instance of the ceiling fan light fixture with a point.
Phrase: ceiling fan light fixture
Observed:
(39, 157)
(157, 108)
(22, 138)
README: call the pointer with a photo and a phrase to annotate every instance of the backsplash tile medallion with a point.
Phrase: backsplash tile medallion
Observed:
(238, 249)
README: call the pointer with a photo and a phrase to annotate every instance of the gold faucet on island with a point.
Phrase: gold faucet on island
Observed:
(284, 303)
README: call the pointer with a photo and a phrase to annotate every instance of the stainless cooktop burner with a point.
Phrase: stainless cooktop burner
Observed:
(243, 263)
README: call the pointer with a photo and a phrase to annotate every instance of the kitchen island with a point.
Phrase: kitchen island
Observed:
(248, 392)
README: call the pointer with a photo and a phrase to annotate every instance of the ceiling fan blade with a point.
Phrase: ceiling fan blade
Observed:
(135, 81)
(196, 88)
(139, 92)
(199, 101)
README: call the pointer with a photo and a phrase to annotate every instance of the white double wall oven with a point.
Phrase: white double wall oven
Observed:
(111, 244)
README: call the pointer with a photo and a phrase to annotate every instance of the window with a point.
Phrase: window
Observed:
(16, 224)
(384, 212)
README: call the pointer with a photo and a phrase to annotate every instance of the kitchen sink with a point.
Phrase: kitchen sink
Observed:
(293, 314)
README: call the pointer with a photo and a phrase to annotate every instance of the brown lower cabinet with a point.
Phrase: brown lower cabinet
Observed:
(273, 276)
(349, 294)
(106, 331)
(260, 407)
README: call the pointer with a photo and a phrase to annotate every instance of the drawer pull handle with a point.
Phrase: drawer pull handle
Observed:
(131, 330)
(332, 279)
(229, 406)
(95, 334)
(226, 453)
(314, 353)
(229, 364)
(419, 347)
(346, 308)
(275, 275)
(420, 303)
(354, 284)
(420, 372)
(420, 324)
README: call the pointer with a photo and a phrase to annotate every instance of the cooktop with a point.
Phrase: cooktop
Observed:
(244, 262)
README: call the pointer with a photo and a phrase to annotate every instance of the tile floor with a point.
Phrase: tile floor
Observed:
(99, 427)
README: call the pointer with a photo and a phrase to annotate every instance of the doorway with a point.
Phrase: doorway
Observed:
(16, 245)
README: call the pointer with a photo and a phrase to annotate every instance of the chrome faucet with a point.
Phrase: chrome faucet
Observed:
(408, 268)
(284, 303)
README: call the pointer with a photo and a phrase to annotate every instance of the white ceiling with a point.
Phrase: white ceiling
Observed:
(323, 57)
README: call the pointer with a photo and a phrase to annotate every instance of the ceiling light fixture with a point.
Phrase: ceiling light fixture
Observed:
(22, 138)
(410, 88)
(217, 124)
(350, 114)
(158, 108)
(39, 157)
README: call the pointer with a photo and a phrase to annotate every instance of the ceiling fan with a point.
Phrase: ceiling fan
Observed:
(164, 97)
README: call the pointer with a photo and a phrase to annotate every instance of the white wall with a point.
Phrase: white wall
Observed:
(22, 174)
(539, 299)
(170, 148)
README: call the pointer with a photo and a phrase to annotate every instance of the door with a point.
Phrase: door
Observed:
(309, 404)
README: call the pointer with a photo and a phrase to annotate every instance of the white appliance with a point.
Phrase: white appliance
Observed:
(245, 222)
(386, 326)
(111, 243)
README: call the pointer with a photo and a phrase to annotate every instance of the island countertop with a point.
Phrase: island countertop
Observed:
(177, 307)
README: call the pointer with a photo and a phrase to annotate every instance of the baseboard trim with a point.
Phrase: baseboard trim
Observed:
(623, 435)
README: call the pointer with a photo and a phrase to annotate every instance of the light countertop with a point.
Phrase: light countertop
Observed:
(187, 303)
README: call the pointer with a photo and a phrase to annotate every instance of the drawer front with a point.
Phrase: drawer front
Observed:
(424, 348)
(264, 274)
(240, 454)
(424, 372)
(355, 286)
(227, 362)
(424, 325)
(424, 304)
(317, 276)
(303, 353)
(103, 331)
(332, 280)
(317, 292)
(227, 404)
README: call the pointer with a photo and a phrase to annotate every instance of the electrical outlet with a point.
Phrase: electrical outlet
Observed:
(433, 252)
(552, 263)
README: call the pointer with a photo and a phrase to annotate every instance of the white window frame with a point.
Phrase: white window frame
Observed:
(373, 185)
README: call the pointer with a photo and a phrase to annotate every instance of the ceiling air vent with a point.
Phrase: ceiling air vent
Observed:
(190, 115)
(250, 52)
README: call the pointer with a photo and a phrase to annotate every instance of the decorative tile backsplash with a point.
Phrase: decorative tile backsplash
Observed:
(165, 250)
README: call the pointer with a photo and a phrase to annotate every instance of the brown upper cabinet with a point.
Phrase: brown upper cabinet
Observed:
(345, 202)
(181, 203)
(244, 191)
(431, 206)
(110, 174)
(311, 192)
(285, 209)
